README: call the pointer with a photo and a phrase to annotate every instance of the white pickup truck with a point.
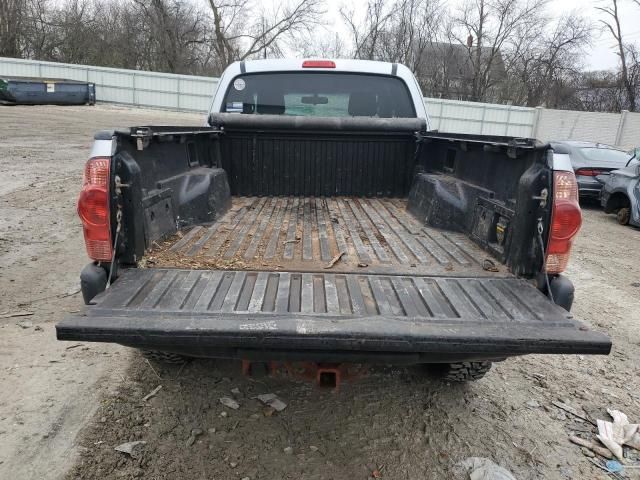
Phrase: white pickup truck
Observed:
(318, 217)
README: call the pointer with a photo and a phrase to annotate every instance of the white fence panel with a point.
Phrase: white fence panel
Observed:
(588, 126)
(480, 118)
(9, 66)
(629, 131)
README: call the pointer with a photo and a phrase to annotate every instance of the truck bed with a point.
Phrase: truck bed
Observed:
(302, 234)
(295, 241)
(255, 284)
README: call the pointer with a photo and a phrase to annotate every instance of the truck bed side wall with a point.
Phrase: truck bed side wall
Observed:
(173, 183)
(486, 189)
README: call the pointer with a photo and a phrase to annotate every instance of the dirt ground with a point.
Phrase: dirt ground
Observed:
(65, 406)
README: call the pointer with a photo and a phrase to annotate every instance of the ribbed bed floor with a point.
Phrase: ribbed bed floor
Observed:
(306, 234)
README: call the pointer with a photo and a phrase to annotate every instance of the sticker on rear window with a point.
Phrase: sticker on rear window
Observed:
(239, 84)
(234, 107)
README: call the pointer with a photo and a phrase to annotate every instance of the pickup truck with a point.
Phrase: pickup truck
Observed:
(317, 217)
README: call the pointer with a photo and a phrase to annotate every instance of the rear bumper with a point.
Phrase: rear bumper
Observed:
(589, 187)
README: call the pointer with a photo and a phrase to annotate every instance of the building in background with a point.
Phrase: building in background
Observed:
(449, 70)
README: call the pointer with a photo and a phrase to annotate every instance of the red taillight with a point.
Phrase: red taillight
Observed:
(566, 219)
(93, 209)
(589, 172)
(318, 64)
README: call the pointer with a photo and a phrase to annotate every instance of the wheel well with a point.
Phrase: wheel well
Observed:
(617, 201)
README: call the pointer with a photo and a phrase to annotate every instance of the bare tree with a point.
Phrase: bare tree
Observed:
(410, 31)
(399, 31)
(544, 62)
(243, 30)
(599, 92)
(11, 18)
(163, 35)
(366, 35)
(320, 44)
(613, 25)
(74, 25)
(485, 27)
(121, 35)
(173, 30)
(36, 33)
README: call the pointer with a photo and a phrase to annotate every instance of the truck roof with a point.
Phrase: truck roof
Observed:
(342, 65)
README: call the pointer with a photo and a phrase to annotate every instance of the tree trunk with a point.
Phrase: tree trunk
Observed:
(628, 85)
(10, 20)
(477, 67)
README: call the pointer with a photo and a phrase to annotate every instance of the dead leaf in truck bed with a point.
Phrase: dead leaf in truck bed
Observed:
(334, 260)
(489, 265)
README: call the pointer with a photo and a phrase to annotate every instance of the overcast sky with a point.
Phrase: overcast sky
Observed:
(600, 56)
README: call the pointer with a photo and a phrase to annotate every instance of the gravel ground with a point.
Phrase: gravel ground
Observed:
(64, 407)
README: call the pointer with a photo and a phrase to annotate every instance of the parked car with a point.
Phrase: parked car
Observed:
(319, 218)
(589, 160)
(621, 193)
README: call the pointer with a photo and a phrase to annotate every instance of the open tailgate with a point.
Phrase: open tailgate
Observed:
(234, 313)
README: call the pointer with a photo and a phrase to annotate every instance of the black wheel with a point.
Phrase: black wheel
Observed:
(165, 357)
(623, 215)
(462, 371)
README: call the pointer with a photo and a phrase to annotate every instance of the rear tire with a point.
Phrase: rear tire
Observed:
(461, 372)
(623, 215)
(165, 357)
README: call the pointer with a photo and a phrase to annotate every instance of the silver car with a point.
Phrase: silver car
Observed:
(589, 160)
(621, 193)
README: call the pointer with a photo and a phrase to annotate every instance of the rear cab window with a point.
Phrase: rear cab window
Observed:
(319, 94)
